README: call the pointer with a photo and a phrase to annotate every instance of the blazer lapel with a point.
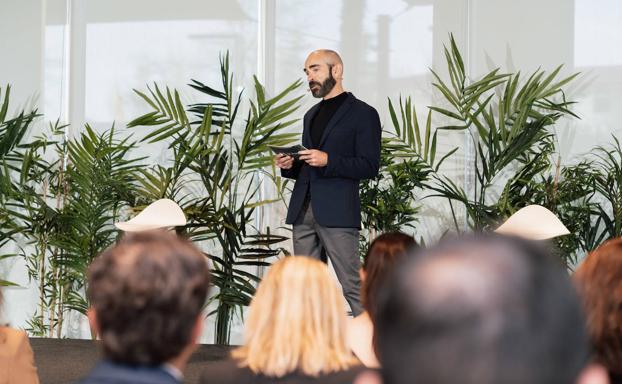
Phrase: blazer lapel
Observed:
(341, 112)
(306, 128)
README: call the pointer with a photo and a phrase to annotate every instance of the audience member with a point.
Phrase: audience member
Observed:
(147, 294)
(17, 362)
(384, 252)
(599, 280)
(295, 331)
(483, 309)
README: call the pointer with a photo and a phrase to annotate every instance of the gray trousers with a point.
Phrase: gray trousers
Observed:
(340, 245)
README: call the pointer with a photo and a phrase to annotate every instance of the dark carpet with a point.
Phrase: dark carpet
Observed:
(67, 360)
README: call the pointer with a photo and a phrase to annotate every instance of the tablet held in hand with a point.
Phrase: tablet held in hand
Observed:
(289, 151)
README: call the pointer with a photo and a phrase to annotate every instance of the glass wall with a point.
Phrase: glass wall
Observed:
(32, 47)
(597, 55)
(388, 49)
(582, 35)
(130, 45)
(78, 60)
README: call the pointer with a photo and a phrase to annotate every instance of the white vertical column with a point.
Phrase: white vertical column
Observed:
(469, 149)
(64, 90)
(266, 44)
(266, 74)
(76, 67)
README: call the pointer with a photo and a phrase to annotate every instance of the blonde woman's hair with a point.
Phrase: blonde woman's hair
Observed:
(296, 322)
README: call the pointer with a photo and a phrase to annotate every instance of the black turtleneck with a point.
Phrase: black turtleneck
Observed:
(327, 110)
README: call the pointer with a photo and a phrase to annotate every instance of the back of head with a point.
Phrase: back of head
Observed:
(599, 280)
(383, 254)
(147, 292)
(481, 309)
(296, 322)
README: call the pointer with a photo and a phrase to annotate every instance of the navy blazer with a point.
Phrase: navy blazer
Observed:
(352, 141)
(106, 372)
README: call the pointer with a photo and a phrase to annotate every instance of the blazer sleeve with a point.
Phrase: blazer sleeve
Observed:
(23, 370)
(366, 163)
(293, 172)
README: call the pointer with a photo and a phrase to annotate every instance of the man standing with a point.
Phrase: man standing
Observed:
(343, 137)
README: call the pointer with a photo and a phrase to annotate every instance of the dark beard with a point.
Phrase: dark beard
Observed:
(326, 86)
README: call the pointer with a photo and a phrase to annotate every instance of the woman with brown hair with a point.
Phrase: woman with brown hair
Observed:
(295, 331)
(383, 254)
(599, 280)
(17, 362)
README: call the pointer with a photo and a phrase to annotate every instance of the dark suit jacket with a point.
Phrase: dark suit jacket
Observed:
(107, 372)
(227, 372)
(352, 141)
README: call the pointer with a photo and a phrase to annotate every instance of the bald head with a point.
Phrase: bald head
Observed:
(473, 279)
(481, 309)
(328, 56)
(324, 70)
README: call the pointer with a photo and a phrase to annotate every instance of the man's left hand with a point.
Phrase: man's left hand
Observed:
(314, 158)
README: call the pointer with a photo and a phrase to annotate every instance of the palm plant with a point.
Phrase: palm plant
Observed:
(100, 186)
(13, 131)
(407, 162)
(509, 122)
(64, 212)
(587, 197)
(213, 175)
(608, 185)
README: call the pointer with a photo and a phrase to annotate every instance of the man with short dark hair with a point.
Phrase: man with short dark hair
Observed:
(482, 309)
(147, 293)
(343, 135)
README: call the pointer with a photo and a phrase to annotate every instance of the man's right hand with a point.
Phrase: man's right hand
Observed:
(283, 161)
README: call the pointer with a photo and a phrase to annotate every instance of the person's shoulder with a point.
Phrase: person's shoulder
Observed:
(363, 106)
(106, 372)
(11, 340)
(8, 333)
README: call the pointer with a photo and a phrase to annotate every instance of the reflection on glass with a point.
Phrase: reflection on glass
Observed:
(55, 47)
(598, 32)
(127, 49)
(53, 69)
(598, 36)
(416, 24)
(386, 46)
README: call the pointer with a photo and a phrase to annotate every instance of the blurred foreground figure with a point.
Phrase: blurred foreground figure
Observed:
(17, 362)
(599, 279)
(482, 309)
(147, 294)
(294, 331)
(386, 251)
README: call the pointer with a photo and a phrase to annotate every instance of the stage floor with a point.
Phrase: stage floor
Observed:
(66, 360)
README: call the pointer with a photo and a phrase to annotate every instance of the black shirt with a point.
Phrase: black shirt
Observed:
(326, 111)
